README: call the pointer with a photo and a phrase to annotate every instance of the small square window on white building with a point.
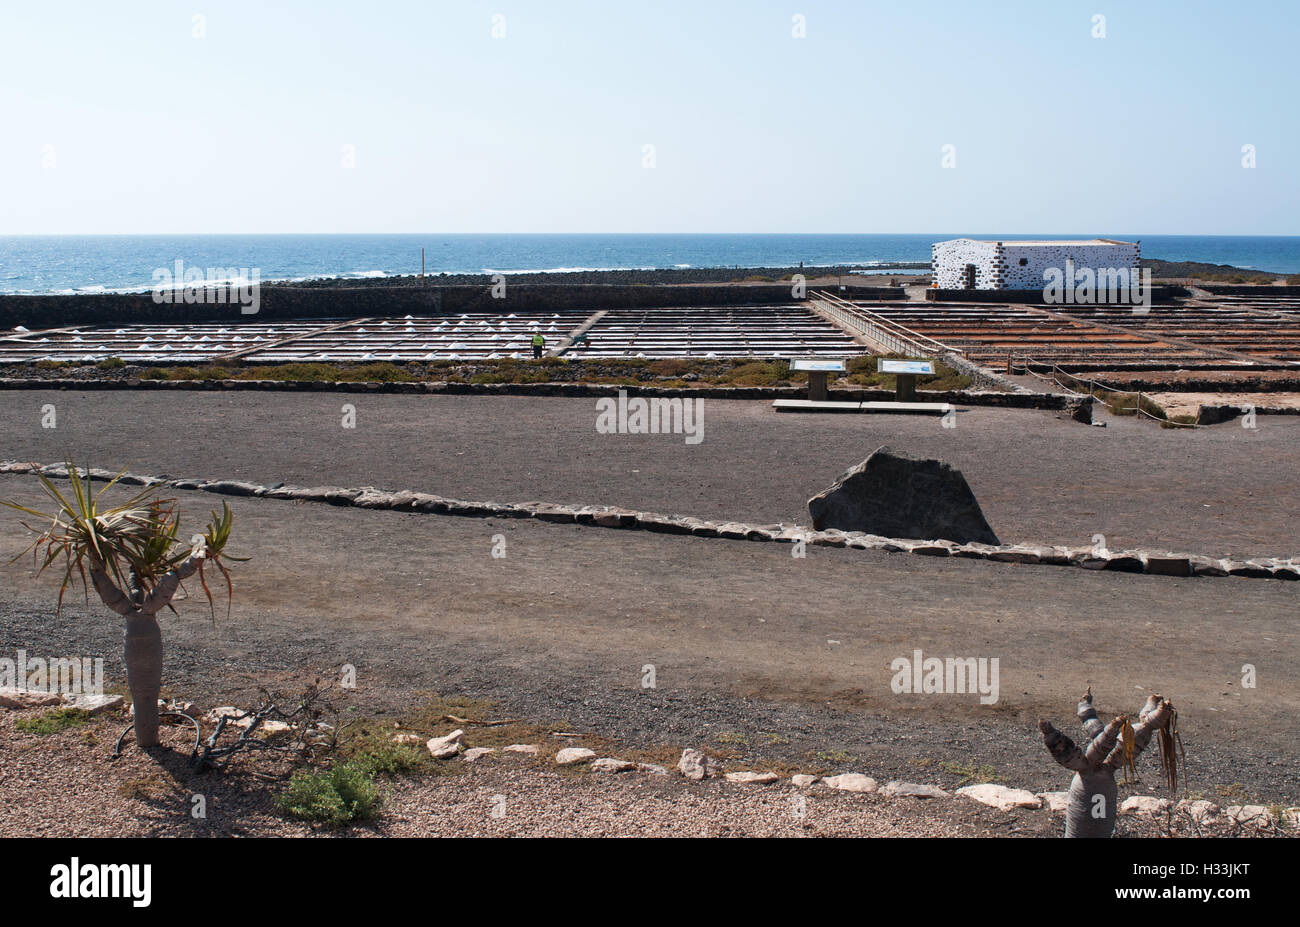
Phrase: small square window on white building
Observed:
(967, 264)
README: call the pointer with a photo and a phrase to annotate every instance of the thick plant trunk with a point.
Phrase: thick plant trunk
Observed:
(1090, 811)
(143, 650)
(1093, 797)
(144, 660)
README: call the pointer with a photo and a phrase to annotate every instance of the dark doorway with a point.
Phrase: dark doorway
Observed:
(969, 281)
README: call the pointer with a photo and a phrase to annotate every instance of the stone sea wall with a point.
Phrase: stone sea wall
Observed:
(315, 302)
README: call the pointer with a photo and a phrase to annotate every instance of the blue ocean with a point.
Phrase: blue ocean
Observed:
(121, 263)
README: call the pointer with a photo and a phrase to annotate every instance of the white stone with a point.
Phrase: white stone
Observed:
(752, 778)
(1001, 797)
(913, 790)
(473, 753)
(407, 738)
(653, 769)
(24, 698)
(1055, 801)
(448, 745)
(851, 782)
(803, 781)
(530, 749)
(570, 755)
(1249, 814)
(608, 764)
(95, 704)
(1144, 804)
(694, 764)
(1199, 810)
(226, 711)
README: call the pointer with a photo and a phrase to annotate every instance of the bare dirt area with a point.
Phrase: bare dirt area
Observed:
(1190, 403)
(759, 656)
(1039, 477)
(68, 784)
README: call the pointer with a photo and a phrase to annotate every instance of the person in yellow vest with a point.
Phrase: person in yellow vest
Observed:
(538, 343)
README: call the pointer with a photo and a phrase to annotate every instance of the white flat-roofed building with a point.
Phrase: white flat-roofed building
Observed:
(967, 264)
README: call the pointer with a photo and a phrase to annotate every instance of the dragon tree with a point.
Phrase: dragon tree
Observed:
(132, 555)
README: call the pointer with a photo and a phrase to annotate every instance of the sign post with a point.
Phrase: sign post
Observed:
(817, 370)
(905, 373)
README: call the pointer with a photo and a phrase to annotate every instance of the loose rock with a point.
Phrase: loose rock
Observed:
(1001, 797)
(608, 764)
(1055, 801)
(901, 496)
(570, 755)
(851, 782)
(913, 790)
(449, 745)
(694, 764)
(752, 778)
(1144, 804)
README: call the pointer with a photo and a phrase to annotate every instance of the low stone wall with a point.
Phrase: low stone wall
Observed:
(981, 377)
(1216, 415)
(1161, 563)
(1017, 400)
(1232, 289)
(1159, 294)
(1241, 382)
(284, 303)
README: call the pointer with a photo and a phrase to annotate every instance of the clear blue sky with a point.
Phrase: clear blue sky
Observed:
(242, 130)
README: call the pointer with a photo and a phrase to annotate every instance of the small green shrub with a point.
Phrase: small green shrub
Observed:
(197, 373)
(669, 367)
(336, 796)
(757, 373)
(381, 372)
(111, 363)
(969, 772)
(53, 721)
(376, 373)
(375, 751)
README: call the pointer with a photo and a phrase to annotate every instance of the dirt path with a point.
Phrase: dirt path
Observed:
(1040, 478)
(755, 652)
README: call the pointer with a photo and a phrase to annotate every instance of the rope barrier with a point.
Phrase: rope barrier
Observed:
(1092, 385)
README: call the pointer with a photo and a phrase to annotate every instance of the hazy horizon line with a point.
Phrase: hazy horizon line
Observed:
(628, 234)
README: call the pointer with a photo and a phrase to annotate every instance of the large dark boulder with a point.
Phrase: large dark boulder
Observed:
(899, 496)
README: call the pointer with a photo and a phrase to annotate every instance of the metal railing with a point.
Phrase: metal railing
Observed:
(887, 335)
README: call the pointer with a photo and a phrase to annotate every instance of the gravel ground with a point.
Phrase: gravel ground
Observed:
(758, 656)
(67, 784)
(1190, 403)
(1040, 478)
(765, 660)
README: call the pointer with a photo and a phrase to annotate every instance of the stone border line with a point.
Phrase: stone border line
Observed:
(1055, 402)
(697, 766)
(1141, 560)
